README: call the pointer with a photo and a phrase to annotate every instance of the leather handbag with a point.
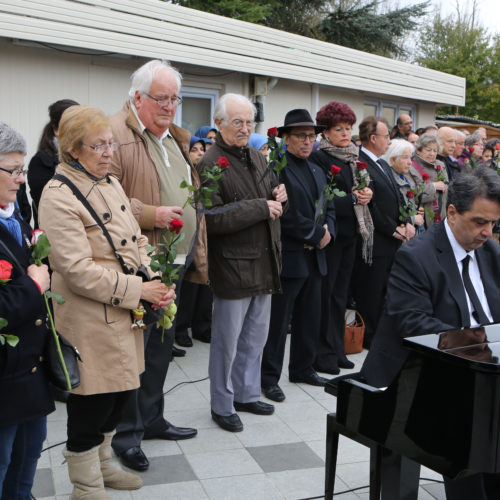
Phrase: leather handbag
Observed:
(53, 366)
(354, 332)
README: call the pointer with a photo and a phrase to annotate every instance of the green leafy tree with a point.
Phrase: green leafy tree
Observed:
(457, 45)
(362, 26)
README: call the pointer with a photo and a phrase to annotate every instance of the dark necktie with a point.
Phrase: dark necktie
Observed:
(478, 313)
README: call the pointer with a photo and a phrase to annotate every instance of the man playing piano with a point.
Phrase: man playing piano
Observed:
(448, 278)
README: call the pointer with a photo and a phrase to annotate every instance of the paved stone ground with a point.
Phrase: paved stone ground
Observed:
(275, 457)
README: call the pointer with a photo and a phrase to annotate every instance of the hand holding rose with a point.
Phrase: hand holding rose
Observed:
(279, 193)
(40, 275)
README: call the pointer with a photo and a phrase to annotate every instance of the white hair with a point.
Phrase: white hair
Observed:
(143, 77)
(220, 112)
(11, 141)
(397, 149)
(460, 134)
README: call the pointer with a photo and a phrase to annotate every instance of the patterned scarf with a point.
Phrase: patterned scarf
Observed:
(362, 213)
(10, 222)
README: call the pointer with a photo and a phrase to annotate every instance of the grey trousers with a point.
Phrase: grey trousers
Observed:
(239, 333)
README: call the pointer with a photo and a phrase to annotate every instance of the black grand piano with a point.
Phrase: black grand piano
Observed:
(442, 411)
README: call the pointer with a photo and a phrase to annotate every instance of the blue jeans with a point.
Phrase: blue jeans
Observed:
(20, 447)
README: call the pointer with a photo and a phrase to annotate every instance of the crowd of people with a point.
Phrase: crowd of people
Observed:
(274, 252)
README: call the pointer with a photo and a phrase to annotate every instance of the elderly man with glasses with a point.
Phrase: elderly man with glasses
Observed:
(151, 163)
(307, 228)
(244, 263)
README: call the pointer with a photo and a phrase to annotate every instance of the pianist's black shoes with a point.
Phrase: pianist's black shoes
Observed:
(178, 353)
(183, 339)
(333, 369)
(231, 423)
(345, 363)
(256, 407)
(311, 379)
(274, 393)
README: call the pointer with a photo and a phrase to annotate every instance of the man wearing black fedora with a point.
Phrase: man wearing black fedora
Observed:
(305, 231)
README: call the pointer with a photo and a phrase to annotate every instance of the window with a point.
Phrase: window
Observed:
(389, 110)
(197, 108)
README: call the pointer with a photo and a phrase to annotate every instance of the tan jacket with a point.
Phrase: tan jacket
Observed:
(99, 296)
(134, 166)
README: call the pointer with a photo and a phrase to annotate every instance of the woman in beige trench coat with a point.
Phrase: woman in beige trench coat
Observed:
(98, 295)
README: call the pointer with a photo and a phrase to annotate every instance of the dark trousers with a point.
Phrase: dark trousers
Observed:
(143, 415)
(370, 286)
(195, 310)
(334, 295)
(300, 300)
(89, 417)
(477, 487)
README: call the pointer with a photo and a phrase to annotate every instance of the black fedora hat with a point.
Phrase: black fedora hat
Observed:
(299, 118)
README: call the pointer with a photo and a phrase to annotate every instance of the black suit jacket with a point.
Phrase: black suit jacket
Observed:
(23, 388)
(384, 207)
(298, 225)
(425, 295)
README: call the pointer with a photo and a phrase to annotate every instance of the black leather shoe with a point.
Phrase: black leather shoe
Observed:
(134, 458)
(311, 379)
(256, 407)
(183, 339)
(178, 353)
(231, 423)
(345, 363)
(331, 370)
(203, 337)
(274, 393)
(173, 433)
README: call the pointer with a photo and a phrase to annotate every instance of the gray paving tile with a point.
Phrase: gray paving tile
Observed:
(189, 490)
(165, 470)
(224, 463)
(304, 483)
(269, 432)
(210, 440)
(291, 456)
(43, 486)
(251, 487)
(435, 490)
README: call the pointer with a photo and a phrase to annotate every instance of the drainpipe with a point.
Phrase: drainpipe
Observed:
(271, 83)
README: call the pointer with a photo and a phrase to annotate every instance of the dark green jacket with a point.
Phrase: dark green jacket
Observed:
(244, 247)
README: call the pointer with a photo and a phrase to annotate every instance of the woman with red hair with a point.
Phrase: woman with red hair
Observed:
(353, 218)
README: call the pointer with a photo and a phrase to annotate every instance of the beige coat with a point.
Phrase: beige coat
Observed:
(99, 296)
(134, 166)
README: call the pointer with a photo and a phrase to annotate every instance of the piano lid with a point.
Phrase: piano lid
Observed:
(480, 345)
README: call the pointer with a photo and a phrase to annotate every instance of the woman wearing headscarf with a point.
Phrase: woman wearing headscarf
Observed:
(24, 391)
(353, 219)
(259, 142)
(100, 292)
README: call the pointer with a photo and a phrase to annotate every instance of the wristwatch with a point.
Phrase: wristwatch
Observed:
(354, 198)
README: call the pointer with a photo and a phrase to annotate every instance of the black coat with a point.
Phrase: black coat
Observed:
(384, 208)
(298, 225)
(40, 170)
(425, 294)
(24, 391)
(344, 209)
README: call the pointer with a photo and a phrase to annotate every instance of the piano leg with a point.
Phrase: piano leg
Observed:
(400, 477)
(332, 445)
(375, 471)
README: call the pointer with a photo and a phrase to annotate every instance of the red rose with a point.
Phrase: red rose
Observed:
(425, 177)
(410, 194)
(5, 270)
(222, 162)
(361, 165)
(471, 150)
(35, 234)
(272, 132)
(438, 167)
(497, 146)
(175, 226)
(334, 170)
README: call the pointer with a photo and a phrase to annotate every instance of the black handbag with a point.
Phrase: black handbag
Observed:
(151, 315)
(71, 356)
(53, 366)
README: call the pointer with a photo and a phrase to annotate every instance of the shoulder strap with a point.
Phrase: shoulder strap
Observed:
(12, 257)
(93, 213)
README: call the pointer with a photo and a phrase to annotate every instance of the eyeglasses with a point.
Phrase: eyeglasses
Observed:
(237, 123)
(303, 137)
(163, 101)
(16, 172)
(100, 148)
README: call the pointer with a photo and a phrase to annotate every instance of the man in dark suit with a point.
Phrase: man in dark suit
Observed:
(305, 232)
(370, 280)
(448, 278)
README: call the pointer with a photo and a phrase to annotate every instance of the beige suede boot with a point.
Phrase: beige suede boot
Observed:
(113, 477)
(85, 474)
